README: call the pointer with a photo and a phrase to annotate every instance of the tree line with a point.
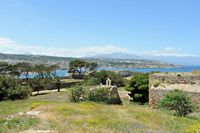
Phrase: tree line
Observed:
(40, 70)
(12, 86)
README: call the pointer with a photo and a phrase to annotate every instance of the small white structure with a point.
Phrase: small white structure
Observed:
(108, 82)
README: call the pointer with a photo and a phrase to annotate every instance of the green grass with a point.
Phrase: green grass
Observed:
(58, 114)
(17, 124)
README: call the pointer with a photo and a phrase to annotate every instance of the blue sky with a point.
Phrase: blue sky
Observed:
(89, 27)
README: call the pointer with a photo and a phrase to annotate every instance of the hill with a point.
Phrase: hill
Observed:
(109, 61)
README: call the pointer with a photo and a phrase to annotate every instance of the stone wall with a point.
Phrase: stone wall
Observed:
(175, 78)
(155, 95)
(187, 82)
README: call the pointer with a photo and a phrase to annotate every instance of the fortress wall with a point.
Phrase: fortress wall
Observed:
(175, 78)
(190, 82)
(155, 95)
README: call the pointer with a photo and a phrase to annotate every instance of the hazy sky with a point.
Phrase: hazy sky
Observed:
(88, 27)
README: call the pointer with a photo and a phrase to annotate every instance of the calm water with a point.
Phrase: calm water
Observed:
(60, 73)
(183, 69)
(64, 73)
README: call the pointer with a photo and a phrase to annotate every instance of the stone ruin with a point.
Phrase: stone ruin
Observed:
(113, 90)
(108, 82)
(161, 83)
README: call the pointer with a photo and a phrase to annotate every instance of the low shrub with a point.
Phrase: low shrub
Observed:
(156, 83)
(19, 92)
(178, 102)
(11, 89)
(78, 93)
(95, 94)
(99, 95)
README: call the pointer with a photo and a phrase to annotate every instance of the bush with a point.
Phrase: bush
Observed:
(78, 93)
(11, 89)
(91, 81)
(96, 95)
(116, 79)
(156, 83)
(39, 84)
(19, 92)
(178, 102)
(139, 88)
(99, 95)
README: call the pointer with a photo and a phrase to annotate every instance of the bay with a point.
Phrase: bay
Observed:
(64, 72)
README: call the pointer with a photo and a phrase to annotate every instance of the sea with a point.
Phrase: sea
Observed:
(64, 72)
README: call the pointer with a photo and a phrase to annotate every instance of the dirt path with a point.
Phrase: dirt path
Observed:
(46, 91)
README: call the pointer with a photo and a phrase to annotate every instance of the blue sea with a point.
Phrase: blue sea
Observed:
(64, 73)
(182, 69)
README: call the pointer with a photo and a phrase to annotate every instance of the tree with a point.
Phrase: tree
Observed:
(52, 70)
(39, 84)
(41, 71)
(92, 67)
(4, 68)
(139, 88)
(116, 79)
(77, 66)
(177, 101)
(23, 68)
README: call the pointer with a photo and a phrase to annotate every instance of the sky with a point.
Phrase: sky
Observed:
(79, 28)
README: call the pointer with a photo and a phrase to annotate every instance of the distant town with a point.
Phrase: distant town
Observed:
(102, 61)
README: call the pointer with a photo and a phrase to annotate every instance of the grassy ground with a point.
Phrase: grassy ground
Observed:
(57, 114)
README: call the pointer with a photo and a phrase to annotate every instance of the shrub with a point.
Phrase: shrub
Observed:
(178, 102)
(96, 95)
(19, 92)
(156, 83)
(78, 93)
(39, 84)
(11, 89)
(116, 79)
(99, 95)
(91, 81)
(139, 87)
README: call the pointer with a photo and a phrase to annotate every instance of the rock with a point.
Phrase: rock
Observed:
(34, 113)
(10, 117)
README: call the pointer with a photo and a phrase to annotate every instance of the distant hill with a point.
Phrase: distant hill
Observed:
(117, 55)
(119, 60)
(35, 59)
(191, 61)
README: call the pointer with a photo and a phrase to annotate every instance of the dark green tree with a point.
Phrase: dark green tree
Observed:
(116, 79)
(77, 66)
(92, 68)
(4, 68)
(139, 88)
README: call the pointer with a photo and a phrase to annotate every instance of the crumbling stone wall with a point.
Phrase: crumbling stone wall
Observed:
(187, 82)
(155, 95)
(175, 78)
